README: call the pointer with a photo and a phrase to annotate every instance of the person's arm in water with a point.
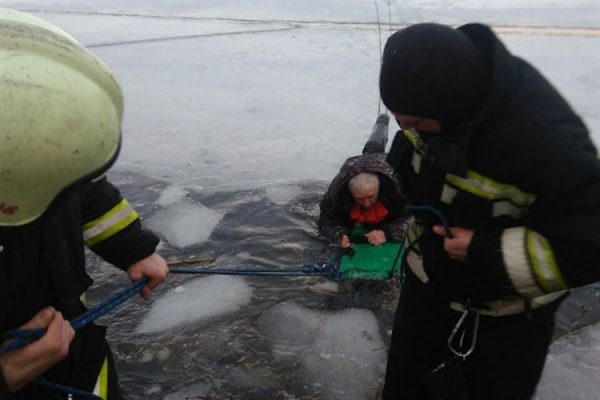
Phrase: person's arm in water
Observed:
(345, 241)
(21, 366)
(330, 228)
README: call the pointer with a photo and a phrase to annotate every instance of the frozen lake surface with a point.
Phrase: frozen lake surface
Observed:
(238, 114)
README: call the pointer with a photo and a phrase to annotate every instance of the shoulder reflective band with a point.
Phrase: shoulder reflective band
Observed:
(119, 217)
(487, 188)
(530, 262)
(414, 138)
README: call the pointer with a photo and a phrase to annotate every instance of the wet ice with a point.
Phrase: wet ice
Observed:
(184, 222)
(282, 194)
(574, 359)
(171, 194)
(196, 300)
(342, 352)
(266, 110)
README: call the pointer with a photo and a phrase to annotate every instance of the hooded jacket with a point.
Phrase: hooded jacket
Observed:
(335, 206)
(43, 264)
(524, 175)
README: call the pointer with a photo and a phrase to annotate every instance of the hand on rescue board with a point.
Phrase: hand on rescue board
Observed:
(345, 242)
(376, 237)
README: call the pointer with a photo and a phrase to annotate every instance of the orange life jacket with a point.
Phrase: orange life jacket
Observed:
(373, 215)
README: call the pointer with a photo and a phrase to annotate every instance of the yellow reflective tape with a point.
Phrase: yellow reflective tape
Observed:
(487, 188)
(544, 263)
(516, 261)
(122, 224)
(120, 206)
(109, 224)
(101, 388)
(413, 233)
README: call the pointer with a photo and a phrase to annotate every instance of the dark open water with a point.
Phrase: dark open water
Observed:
(229, 357)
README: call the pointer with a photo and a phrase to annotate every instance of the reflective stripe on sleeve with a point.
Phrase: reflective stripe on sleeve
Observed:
(119, 217)
(530, 262)
(416, 162)
(543, 262)
(487, 188)
(517, 264)
(413, 233)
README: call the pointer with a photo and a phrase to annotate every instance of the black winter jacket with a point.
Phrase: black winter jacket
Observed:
(43, 264)
(525, 176)
(335, 206)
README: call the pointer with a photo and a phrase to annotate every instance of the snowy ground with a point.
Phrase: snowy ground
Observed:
(240, 112)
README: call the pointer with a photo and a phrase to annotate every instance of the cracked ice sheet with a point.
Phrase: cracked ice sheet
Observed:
(342, 354)
(583, 13)
(573, 359)
(245, 111)
(109, 30)
(261, 108)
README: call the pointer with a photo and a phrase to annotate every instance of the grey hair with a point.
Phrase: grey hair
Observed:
(363, 182)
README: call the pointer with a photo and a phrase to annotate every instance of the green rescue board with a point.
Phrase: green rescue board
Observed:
(371, 262)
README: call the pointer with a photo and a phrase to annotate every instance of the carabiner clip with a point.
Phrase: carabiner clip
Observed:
(460, 327)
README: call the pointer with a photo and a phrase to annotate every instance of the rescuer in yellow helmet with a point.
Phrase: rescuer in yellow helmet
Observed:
(60, 127)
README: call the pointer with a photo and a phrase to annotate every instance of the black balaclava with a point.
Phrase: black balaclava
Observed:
(434, 71)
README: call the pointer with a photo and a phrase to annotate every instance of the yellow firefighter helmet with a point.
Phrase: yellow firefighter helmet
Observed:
(60, 116)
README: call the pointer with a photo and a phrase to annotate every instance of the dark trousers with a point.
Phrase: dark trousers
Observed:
(506, 364)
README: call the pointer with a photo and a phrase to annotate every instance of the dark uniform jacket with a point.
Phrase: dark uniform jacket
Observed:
(335, 206)
(43, 264)
(524, 176)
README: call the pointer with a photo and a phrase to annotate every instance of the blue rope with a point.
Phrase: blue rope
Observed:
(434, 211)
(327, 270)
(18, 338)
(108, 305)
(306, 270)
(23, 337)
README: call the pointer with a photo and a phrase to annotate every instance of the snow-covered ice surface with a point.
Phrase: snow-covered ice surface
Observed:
(238, 114)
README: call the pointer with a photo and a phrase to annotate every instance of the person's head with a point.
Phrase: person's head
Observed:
(60, 116)
(364, 188)
(433, 78)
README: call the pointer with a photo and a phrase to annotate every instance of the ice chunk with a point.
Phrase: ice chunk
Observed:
(152, 389)
(195, 391)
(325, 287)
(171, 194)
(282, 194)
(185, 223)
(197, 300)
(343, 351)
(573, 362)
